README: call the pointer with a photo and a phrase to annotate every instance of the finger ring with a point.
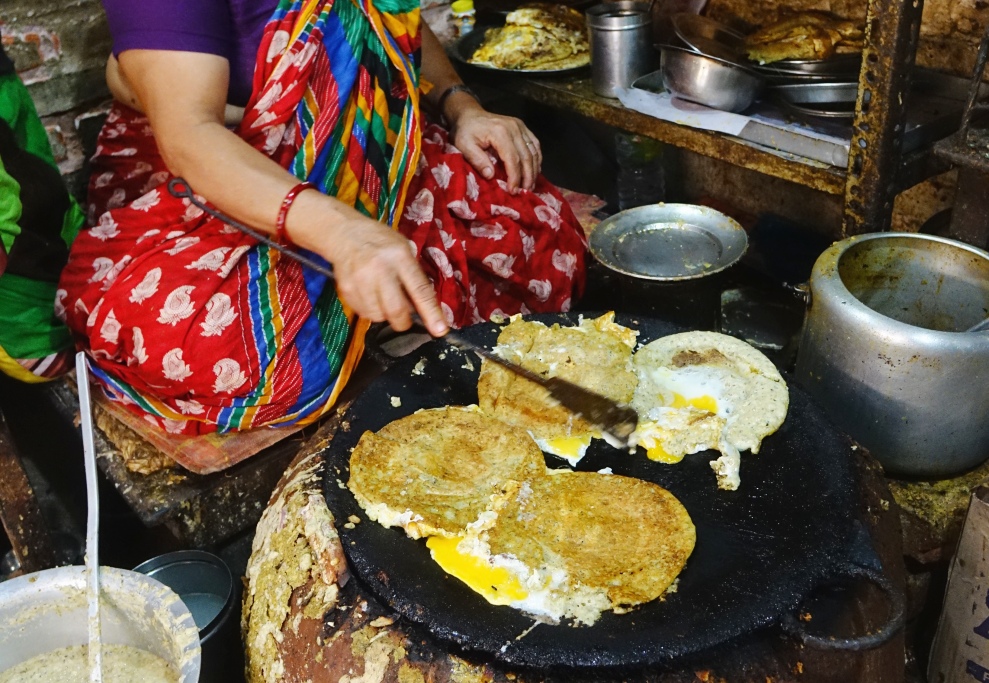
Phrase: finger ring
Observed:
(529, 145)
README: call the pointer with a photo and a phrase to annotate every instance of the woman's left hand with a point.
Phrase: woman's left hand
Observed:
(477, 132)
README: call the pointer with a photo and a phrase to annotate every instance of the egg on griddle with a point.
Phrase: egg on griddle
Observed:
(704, 390)
(596, 354)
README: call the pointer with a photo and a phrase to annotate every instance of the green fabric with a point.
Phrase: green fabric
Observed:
(17, 109)
(28, 326)
(10, 208)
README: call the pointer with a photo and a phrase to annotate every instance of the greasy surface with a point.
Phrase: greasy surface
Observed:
(121, 664)
(624, 536)
(355, 638)
(804, 35)
(443, 465)
(751, 384)
(536, 37)
(596, 355)
(759, 549)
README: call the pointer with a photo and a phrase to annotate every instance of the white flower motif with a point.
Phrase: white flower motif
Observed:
(146, 201)
(442, 174)
(446, 238)
(447, 313)
(548, 216)
(211, 260)
(192, 212)
(80, 307)
(140, 168)
(472, 188)
(460, 209)
(115, 272)
(565, 306)
(154, 181)
(219, 315)
(541, 288)
(528, 244)
(60, 295)
(565, 262)
(181, 244)
(524, 310)
(492, 231)
(173, 367)
(105, 229)
(110, 329)
(229, 376)
(498, 210)
(279, 41)
(149, 233)
(232, 260)
(413, 248)
(190, 407)
(125, 152)
(116, 200)
(178, 306)
(101, 268)
(502, 184)
(500, 264)
(147, 287)
(103, 179)
(421, 208)
(551, 201)
(442, 262)
(138, 353)
(450, 149)
(173, 426)
(270, 96)
(91, 320)
(174, 233)
(273, 138)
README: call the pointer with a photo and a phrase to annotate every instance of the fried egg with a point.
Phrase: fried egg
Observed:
(699, 391)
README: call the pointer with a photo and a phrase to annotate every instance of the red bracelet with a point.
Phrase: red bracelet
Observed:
(281, 236)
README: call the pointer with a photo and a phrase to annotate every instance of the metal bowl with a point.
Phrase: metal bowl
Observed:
(668, 242)
(706, 80)
(832, 100)
(708, 36)
(47, 610)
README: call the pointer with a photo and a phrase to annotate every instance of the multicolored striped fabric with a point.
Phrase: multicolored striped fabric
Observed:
(189, 322)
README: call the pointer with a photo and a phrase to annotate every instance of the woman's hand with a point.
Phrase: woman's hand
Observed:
(476, 132)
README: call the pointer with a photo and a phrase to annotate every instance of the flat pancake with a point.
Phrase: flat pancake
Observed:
(536, 37)
(596, 355)
(434, 472)
(624, 537)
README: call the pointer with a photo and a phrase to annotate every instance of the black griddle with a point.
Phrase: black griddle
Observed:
(760, 550)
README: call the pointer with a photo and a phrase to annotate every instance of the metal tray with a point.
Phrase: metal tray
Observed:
(709, 37)
(837, 66)
(668, 242)
(467, 45)
(832, 100)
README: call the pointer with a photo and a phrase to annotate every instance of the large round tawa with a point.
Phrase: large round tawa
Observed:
(759, 550)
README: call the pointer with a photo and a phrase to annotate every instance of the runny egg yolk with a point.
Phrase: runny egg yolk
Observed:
(705, 403)
(657, 453)
(496, 584)
(570, 447)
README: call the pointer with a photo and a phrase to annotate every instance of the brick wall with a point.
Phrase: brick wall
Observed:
(60, 49)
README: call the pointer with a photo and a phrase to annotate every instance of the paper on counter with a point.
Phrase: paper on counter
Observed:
(664, 106)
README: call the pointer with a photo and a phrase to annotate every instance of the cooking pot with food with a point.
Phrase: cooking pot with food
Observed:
(886, 351)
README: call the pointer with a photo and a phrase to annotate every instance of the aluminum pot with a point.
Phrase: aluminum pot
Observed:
(620, 37)
(884, 348)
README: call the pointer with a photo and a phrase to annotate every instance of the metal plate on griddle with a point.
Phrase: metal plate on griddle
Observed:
(668, 242)
(759, 550)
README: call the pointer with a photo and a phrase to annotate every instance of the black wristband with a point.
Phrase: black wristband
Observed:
(458, 87)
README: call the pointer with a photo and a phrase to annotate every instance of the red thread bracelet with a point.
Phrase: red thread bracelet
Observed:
(281, 236)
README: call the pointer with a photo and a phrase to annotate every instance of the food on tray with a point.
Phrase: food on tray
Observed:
(434, 472)
(536, 37)
(596, 354)
(704, 390)
(573, 545)
(804, 35)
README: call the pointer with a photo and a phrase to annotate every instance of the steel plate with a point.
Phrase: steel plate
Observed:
(668, 242)
(709, 37)
(760, 550)
(837, 66)
(467, 45)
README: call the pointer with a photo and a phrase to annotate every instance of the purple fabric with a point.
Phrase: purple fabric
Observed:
(228, 28)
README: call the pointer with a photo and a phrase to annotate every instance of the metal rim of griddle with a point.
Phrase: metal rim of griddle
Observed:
(760, 551)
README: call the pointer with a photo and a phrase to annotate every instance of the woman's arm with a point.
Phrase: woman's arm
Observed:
(183, 95)
(475, 130)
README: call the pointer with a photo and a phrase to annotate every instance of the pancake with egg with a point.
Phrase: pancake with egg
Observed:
(434, 472)
(704, 390)
(596, 354)
(536, 37)
(572, 545)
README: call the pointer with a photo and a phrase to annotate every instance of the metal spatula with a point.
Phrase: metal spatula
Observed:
(615, 420)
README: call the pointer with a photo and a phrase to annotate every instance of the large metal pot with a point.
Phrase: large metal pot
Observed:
(620, 36)
(884, 349)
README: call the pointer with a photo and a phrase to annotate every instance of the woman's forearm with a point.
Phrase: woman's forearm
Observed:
(438, 70)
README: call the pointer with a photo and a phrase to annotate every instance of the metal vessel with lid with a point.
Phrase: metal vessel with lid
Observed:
(620, 35)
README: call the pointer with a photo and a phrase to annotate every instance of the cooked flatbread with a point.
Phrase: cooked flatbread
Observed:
(803, 35)
(596, 355)
(617, 537)
(434, 472)
(536, 37)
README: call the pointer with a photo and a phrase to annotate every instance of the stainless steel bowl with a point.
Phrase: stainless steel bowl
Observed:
(708, 36)
(706, 80)
(668, 242)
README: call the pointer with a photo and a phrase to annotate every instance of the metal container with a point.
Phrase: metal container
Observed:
(47, 610)
(708, 36)
(620, 35)
(884, 349)
(713, 82)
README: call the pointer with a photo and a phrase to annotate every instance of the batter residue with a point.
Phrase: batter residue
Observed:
(121, 664)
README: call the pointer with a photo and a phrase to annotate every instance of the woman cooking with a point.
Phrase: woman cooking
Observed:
(197, 326)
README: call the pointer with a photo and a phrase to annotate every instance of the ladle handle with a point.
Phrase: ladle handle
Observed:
(92, 522)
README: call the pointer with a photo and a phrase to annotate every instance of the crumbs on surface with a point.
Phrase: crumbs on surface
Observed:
(396, 402)
(420, 366)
